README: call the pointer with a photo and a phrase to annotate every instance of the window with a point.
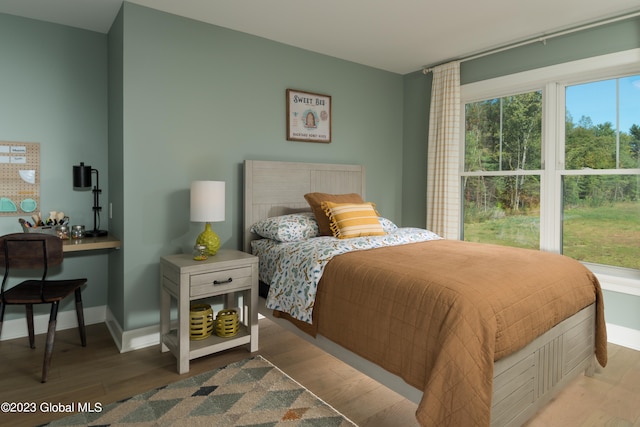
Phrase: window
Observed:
(501, 177)
(601, 190)
(551, 160)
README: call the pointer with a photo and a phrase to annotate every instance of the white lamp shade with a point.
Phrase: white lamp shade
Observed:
(207, 201)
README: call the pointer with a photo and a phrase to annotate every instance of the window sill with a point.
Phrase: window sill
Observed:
(621, 280)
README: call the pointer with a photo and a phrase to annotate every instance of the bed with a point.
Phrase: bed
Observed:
(466, 357)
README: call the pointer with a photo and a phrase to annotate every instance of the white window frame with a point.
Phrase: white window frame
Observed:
(552, 81)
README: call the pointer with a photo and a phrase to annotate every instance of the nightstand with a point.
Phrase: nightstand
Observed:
(229, 273)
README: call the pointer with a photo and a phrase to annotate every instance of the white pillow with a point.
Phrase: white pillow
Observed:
(287, 228)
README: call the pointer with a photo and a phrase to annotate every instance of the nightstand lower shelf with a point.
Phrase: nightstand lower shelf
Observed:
(209, 345)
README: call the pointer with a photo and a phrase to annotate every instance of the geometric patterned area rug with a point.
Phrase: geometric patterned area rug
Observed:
(252, 392)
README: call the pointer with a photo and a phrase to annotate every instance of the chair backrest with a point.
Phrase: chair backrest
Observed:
(30, 250)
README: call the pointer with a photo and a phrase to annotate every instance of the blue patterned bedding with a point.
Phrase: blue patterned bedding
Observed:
(293, 269)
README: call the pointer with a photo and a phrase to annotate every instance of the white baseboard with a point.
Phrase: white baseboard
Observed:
(134, 339)
(17, 328)
(623, 336)
(137, 338)
(124, 340)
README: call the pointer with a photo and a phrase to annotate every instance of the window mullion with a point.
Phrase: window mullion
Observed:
(550, 180)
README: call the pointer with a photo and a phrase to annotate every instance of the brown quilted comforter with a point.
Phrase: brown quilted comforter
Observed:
(439, 313)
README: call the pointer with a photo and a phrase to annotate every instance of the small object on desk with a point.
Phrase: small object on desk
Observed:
(77, 232)
(62, 231)
(51, 227)
(200, 253)
(57, 218)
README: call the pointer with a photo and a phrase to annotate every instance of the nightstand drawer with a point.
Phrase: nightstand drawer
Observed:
(220, 281)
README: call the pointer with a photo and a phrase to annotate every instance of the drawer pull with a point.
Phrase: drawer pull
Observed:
(224, 282)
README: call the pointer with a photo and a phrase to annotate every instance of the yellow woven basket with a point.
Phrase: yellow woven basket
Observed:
(227, 323)
(200, 321)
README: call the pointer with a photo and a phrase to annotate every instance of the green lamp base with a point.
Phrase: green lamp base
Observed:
(209, 239)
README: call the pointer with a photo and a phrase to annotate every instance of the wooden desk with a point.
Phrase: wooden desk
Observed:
(91, 244)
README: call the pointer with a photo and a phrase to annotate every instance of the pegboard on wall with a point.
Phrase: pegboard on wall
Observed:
(19, 178)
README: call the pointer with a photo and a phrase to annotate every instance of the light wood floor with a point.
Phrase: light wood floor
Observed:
(98, 373)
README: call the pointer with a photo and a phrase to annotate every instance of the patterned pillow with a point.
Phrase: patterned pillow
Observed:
(387, 225)
(353, 219)
(287, 228)
(315, 202)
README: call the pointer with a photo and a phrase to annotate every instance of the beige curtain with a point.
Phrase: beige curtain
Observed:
(443, 185)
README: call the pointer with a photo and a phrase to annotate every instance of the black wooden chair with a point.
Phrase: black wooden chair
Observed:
(37, 253)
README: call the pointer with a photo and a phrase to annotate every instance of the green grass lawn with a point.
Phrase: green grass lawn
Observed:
(604, 235)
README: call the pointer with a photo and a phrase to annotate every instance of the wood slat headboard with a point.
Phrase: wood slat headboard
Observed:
(278, 188)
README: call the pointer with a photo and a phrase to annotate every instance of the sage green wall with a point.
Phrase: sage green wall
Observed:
(116, 292)
(610, 38)
(53, 91)
(416, 99)
(200, 99)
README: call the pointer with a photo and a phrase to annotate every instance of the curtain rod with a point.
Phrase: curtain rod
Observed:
(542, 39)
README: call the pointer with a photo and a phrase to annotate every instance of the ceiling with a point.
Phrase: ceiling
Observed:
(400, 36)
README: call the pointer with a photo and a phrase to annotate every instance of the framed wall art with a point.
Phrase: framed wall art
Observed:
(308, 116)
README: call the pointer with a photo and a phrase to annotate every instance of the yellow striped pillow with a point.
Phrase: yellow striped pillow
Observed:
(353, 219)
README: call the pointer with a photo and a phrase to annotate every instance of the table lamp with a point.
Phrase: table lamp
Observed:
(82, 181)
(207, 205)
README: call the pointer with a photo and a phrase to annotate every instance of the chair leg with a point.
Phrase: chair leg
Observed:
(2, 306)
(80, 313)
(51, 333)
(29, 309)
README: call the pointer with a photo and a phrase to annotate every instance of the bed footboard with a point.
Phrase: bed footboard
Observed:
(525, 381)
